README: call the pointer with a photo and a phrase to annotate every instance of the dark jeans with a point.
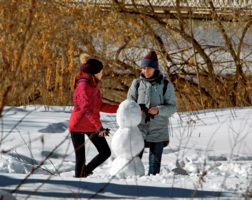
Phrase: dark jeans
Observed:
(155, 156)
(79, 146)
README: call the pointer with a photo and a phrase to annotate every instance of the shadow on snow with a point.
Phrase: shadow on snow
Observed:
(85, 189)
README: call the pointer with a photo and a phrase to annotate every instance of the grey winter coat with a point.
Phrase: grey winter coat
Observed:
(151, 94)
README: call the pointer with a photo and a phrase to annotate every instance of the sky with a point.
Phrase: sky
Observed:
(209, 157)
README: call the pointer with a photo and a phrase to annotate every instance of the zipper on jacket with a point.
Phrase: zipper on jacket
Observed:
(161, 102)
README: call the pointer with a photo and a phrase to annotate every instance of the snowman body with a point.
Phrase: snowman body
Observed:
(127, 141)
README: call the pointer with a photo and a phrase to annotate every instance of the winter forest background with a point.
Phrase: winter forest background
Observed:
(206, 56)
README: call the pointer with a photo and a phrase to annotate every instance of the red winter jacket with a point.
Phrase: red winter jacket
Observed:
(88, 103)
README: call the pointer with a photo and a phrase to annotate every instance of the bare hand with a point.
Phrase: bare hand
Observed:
(153, 110)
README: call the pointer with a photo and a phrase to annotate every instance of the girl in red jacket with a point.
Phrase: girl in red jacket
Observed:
(85, 117)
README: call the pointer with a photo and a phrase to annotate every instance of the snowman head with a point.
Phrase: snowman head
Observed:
(128, 114)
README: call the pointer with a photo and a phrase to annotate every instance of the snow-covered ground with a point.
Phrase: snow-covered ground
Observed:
(209, 156)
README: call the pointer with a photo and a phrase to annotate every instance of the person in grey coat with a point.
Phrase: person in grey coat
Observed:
(156, 97)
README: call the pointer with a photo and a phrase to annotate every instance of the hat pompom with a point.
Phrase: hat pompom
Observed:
(84, 57)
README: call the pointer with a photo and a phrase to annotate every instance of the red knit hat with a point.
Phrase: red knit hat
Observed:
(150, 60)
(92, 66)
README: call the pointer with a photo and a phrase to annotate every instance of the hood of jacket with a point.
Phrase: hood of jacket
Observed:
(88, 78)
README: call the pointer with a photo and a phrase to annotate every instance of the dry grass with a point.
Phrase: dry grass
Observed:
(41, 44)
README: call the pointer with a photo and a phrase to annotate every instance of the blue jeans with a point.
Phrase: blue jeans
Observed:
(101, 145)
(155, 156)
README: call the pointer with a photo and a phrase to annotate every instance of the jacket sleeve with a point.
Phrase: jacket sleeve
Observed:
(170, 105)
(108, 108)
(84, 100)
(132, 92)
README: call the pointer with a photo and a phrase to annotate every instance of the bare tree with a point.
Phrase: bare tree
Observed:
(207, 56)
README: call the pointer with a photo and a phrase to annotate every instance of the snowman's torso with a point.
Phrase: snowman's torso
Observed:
(127, 142)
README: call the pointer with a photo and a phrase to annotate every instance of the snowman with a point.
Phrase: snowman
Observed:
(127, 141)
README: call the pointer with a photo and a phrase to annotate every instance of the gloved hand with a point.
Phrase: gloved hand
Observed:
(101, 129)
(148, 115)
(147, 118)
(144, 108)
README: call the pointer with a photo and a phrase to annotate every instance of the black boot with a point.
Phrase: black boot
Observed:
(84, 174)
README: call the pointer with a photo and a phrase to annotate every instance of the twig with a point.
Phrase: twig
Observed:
(34, 169)
(52, 174)
(6, 151)
(15, 126)
(26, 145)
(4, 100)
(103, 188)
